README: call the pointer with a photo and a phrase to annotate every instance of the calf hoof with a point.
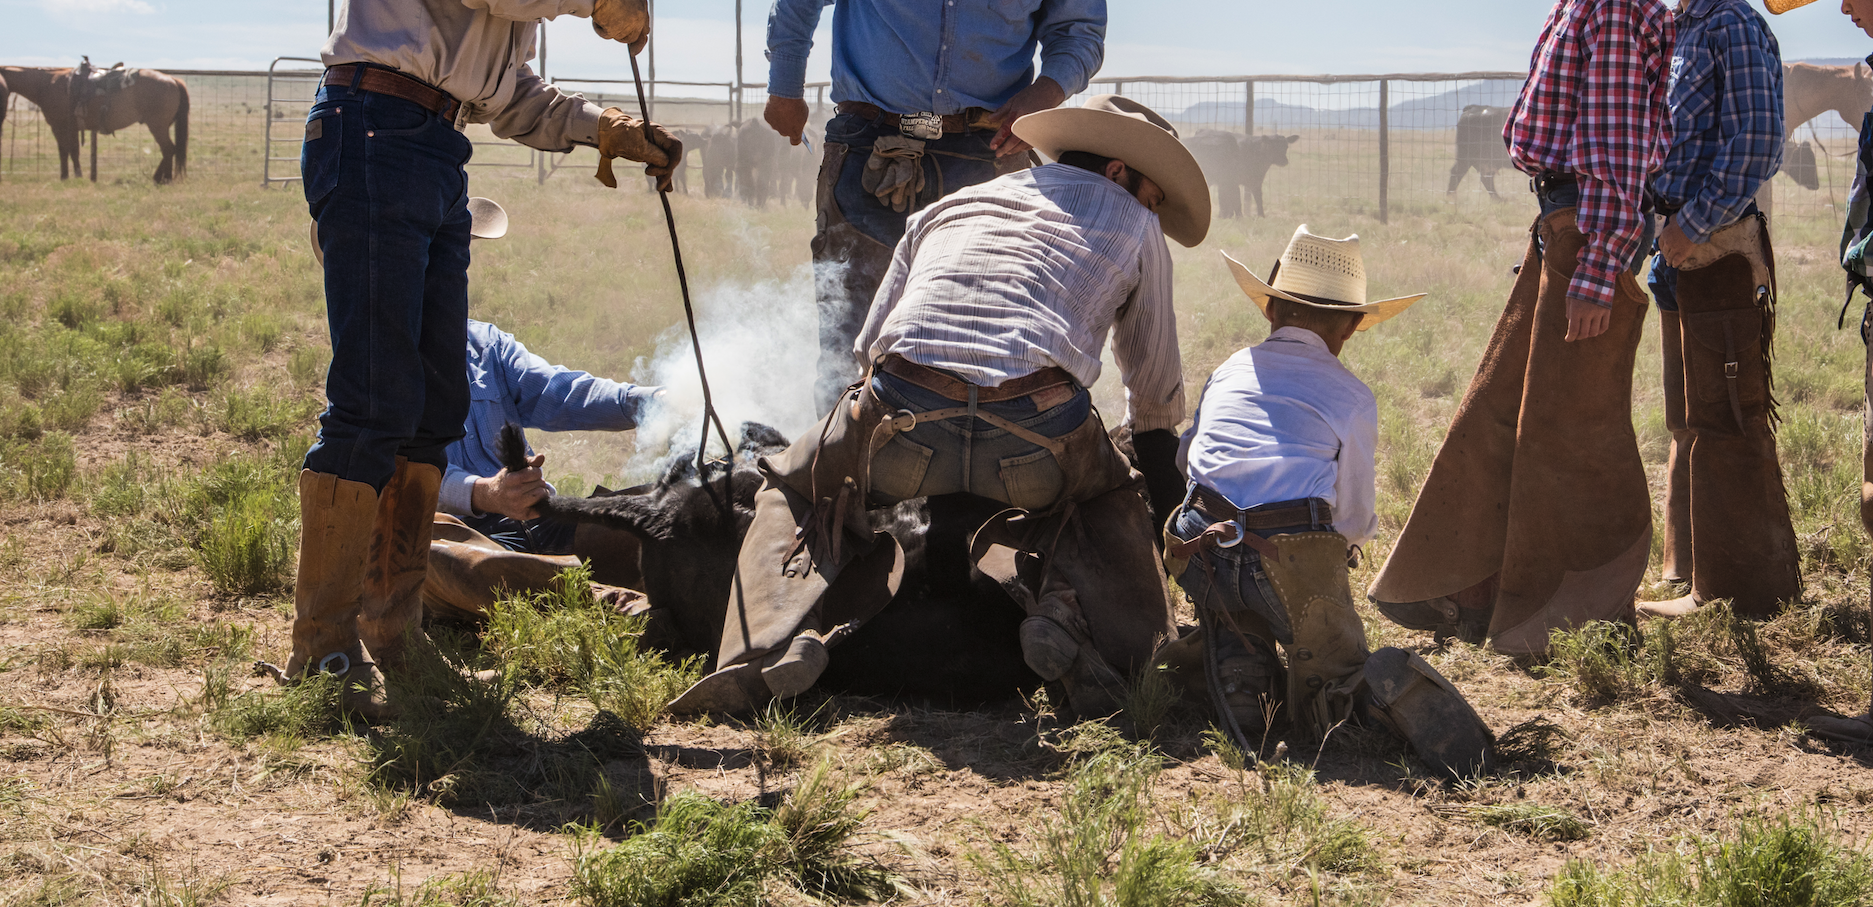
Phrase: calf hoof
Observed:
(1408, 696)
(736, 689)
(1047, 648)
(798, 669)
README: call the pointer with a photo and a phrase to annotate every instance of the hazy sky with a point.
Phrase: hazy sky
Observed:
(696, 38)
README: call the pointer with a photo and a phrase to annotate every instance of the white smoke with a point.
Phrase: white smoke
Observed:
(760, 344)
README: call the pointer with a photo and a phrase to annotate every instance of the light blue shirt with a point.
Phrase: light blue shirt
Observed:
(1285, 420)
(506, 383)
(910, 56)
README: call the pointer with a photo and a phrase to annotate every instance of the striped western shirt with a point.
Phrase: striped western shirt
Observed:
(1726, 115)
(1594, 107)
(1034, 270)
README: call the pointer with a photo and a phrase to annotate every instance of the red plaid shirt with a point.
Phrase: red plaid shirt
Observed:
(1595, 106)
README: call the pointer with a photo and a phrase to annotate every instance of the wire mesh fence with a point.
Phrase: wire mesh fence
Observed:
(1277, 144)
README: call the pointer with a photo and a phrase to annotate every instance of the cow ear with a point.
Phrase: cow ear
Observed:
(638, 514)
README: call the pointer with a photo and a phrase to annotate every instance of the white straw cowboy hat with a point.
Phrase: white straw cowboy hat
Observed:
(487, 220)
(1322, 273)
(1118, 127)
(1782, 6)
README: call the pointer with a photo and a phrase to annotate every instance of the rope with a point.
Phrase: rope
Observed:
(709, 415)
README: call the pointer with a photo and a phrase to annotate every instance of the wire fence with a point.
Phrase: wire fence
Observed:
(1276, 144)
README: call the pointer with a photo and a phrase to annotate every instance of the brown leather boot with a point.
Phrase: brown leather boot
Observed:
(335, 518)
(1678, 560)
(391, 614)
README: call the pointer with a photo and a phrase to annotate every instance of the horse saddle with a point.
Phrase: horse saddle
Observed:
(91, 83)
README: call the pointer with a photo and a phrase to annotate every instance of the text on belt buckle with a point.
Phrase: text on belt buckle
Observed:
(925, 125)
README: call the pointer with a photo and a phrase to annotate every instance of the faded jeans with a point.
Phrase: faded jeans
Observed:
(1235, 579)
(384, 180)
(962, 454)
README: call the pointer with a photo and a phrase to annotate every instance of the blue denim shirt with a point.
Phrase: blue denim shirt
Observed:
(1726, 116)
(506, 383)
(909, 56)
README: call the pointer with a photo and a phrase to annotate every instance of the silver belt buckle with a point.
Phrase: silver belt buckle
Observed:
(926, 125)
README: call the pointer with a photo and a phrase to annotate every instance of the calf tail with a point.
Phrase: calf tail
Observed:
(510, 447)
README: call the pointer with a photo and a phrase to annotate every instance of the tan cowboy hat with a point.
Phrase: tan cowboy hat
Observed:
(1782, 6)
(1322, 273)
(1118, 127)
(487, 220)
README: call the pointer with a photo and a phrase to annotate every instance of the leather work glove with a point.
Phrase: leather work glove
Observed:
(1164, 482)
(627, 137)
(894, 172)
(624, 21)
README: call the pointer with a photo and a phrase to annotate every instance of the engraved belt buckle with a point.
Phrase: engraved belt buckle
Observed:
(925, 125)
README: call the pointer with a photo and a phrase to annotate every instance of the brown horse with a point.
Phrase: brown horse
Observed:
(50, 90)
(155, 99)
(5, 96)
(1809, 90)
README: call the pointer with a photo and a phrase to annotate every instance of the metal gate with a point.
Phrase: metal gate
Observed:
(289, 92)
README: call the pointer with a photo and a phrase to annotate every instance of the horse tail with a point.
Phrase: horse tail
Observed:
(182, 130)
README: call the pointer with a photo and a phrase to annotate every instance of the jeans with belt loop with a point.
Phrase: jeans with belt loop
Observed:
(1235, 578)
(384, 180)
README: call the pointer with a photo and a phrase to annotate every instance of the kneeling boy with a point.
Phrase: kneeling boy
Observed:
(1280, 459)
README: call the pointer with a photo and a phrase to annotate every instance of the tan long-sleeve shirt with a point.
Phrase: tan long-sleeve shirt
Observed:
(477, 51)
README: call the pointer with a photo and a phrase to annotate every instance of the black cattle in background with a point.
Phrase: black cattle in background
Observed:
(1237, 164)
(1798, 162)
(951, 634)
(1480, 146)
(718, 153)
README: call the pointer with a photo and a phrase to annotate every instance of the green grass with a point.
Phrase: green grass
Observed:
(1787, 861)
(699, 852)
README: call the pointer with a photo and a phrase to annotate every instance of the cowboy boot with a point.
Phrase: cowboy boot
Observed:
(335, 517)
(397, 564)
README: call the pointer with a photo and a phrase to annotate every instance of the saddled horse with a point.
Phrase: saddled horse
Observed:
(153, 98)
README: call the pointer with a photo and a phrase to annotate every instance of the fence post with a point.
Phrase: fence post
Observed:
(1248, 107)
(94, 155)
(1385, 148)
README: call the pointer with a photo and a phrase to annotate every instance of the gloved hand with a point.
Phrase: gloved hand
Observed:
(624, 21)
(1855, 259)
(1157, 459)
(626, 137)
(894, 172)
(643, 400)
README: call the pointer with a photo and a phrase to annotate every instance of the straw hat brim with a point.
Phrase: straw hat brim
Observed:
(1782, 6)
(1259, 291)
(1185, 211)
(488, 220)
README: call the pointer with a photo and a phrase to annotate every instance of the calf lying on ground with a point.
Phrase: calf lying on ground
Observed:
(950, 633)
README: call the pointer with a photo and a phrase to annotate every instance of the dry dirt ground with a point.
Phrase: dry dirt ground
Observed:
(116, 788)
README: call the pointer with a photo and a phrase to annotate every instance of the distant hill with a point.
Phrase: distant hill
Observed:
(1437, 111)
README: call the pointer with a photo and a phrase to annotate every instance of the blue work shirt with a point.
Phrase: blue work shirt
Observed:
(911, 56)
(506, 383)
(1726, 115)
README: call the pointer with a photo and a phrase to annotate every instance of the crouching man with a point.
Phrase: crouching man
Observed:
(980, 345)
(1280, 458)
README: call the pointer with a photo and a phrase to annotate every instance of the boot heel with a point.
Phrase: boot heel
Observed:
(798, 669)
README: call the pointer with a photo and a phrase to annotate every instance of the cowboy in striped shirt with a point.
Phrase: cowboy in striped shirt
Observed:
(1727, 527)
(980, 347)
(1536, 514)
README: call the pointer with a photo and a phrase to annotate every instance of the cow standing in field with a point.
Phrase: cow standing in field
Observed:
(1479, 146)
(1809, 90)
(1235, 164)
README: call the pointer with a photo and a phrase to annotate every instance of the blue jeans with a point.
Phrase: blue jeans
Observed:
(1568, 196)
(971, 455)
(1239, 582)
(1663, 281)
(384, 180)
(857, 233)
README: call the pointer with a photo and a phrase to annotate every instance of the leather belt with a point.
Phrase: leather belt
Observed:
(1303, 512)
(952, 122)
(1551, 181)
(957, 389)
(391, 82)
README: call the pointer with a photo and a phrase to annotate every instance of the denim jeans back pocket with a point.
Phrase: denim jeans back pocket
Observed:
(898, 469)
(1032, 481)
(320, 155)
(385, 115)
